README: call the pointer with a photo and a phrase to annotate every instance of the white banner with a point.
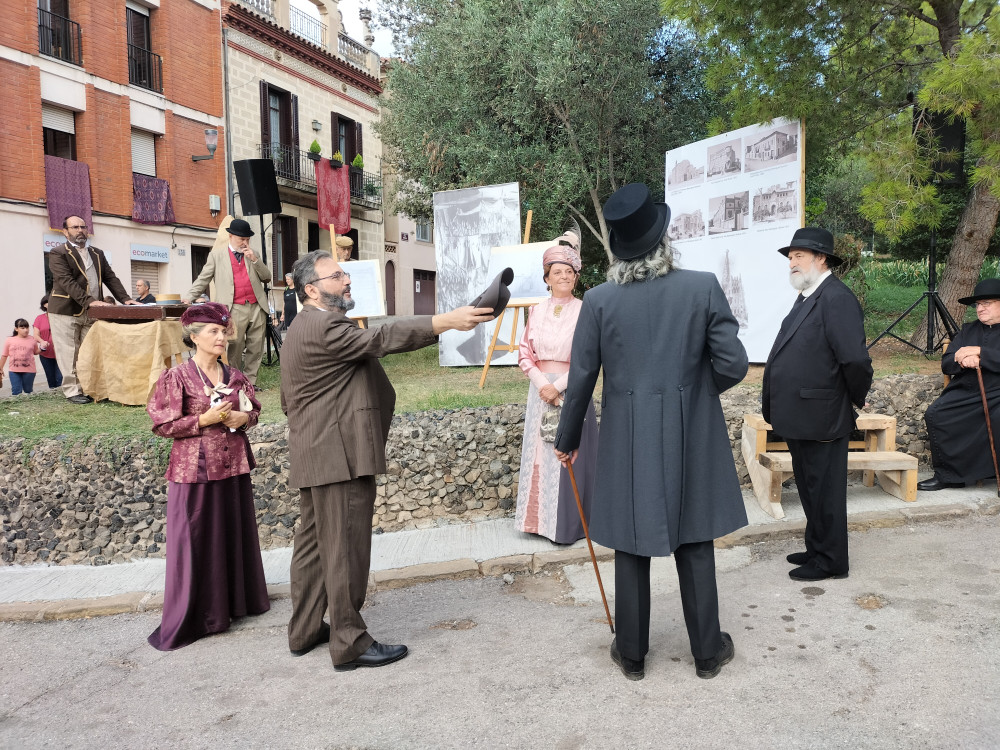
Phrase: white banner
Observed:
(734, 200)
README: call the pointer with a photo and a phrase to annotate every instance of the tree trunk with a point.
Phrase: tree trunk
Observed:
(968, 249)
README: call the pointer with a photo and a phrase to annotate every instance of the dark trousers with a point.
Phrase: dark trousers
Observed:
(330, 564)
(52, 375)
(699, 599)
(820, 469)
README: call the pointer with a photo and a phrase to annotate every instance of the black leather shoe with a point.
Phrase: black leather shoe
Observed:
(80, 398)
(377, 655)
(324, 637)
(798, 558)
(935, 483)
(631, 668)
(708, 668)
(811, 572)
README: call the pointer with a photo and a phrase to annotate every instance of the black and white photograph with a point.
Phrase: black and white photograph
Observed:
(724, 160)
(731, 281)
(468, 223)
(779, 145)
(729, 213)
(778, 202)
(684, 173)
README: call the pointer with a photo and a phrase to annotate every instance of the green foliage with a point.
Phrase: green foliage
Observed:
(314, 147)
(358, 162)
(569, 98)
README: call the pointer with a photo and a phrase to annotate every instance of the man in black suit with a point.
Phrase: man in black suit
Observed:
(818, 369)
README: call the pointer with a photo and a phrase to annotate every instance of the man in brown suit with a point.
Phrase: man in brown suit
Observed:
(79, 271)
(339, 404)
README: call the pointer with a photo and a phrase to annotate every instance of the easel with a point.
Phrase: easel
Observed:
(513, 345)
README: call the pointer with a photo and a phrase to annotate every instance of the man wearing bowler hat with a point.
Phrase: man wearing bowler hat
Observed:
(956, 424)
(666, 483)
(817, 371)
(239, 277)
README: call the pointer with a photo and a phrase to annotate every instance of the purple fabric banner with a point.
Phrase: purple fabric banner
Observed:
(151, 202)
(67, 191)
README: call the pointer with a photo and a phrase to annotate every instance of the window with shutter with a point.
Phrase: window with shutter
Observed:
(143, 153)
(59, 132)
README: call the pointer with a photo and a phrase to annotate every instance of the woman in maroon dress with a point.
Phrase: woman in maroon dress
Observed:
(214, 569)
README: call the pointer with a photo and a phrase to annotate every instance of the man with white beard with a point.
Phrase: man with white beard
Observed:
(817, 369)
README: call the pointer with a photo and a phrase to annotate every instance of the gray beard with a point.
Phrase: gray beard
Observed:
(332, 301)
(804, 279)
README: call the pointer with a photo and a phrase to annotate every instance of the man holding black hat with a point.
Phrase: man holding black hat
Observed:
(956, 425)
(817, 369)
(239, 278)
(666, 483)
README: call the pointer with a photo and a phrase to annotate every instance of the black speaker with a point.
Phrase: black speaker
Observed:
(258, 187)
(950, 136)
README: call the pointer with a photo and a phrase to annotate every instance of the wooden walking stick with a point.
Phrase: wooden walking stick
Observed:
(989, 427)
(586, 533)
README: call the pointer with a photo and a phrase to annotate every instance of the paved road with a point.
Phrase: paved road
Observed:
(903, 654)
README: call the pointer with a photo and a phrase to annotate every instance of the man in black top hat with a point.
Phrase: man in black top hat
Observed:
(666, 483)
(817, 371)
(956, 424)
(239, 277)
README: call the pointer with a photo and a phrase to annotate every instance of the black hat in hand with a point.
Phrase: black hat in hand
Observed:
(497, 295)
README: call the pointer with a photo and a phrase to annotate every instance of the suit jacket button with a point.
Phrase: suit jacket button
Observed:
(680, 387)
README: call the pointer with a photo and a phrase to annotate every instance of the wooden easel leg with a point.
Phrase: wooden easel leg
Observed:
(493, 344)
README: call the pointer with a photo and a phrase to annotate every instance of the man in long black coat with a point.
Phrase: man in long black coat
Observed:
(817, 371)
(956, 424)
(666, 482)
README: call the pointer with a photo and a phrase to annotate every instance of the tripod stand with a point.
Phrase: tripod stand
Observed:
(272, 339)
(935, 307)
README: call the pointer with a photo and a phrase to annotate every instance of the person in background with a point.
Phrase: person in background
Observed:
(545, 502)
(20, 349)
(142, 295)
(43, 335)
(214, 568)
(79, 271)
(344, 247)
(290, 300)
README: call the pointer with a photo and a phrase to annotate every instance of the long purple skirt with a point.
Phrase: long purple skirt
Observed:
(214, 570)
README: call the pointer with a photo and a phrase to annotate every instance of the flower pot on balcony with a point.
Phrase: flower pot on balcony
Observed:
(313, 157)
(336, 163)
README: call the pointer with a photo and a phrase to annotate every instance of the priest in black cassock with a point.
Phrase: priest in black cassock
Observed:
(956, 424)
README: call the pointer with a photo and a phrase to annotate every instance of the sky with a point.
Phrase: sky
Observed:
(349, 9)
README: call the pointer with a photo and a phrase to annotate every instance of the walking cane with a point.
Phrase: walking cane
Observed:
(586, 533)
(989, 428)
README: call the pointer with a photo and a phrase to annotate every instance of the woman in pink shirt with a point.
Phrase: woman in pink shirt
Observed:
(214, 568)
(43, 335)
(20, 349)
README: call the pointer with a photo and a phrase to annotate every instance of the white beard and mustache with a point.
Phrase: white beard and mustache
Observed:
(803, 278)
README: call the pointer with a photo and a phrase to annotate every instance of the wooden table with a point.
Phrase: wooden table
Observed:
(769, 463)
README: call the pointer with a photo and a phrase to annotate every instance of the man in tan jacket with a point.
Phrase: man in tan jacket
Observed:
(239, 277)
(339, 404)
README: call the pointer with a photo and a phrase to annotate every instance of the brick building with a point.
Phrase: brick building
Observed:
(294, 77)
(124, 90)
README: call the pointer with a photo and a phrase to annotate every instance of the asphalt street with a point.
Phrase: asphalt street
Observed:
(903, 654)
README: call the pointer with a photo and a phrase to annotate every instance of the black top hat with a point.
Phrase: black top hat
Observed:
(985, 289)
(240, 228)
(635, 224)
(497, 295)
(815, 240)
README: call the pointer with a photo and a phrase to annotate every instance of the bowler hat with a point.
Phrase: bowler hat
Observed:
(985, 289)
(497, 295)
(240, 228)
(635, 224)
(816, 240)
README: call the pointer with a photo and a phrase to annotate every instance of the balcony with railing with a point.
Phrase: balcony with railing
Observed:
(145, 69)
(264, 7)
(59, 37)
(307, 27)
(295, 169)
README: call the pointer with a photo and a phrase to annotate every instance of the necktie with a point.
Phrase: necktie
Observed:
(239, 258)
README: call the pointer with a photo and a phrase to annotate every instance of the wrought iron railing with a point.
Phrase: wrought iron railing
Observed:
(307, 27)
(296, 166)
(59, 37)
(265, 7)
(145, 68)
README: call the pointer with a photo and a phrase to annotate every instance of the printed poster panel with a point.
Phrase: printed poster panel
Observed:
(734, 200)
(366, 288)
(467, 224)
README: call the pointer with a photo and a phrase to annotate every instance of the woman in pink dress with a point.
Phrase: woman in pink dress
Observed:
(214, 568)
(545, 502)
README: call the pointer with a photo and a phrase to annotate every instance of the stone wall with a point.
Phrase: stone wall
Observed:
(104, 500)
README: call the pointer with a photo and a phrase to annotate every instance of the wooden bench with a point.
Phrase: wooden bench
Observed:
(769, 463)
